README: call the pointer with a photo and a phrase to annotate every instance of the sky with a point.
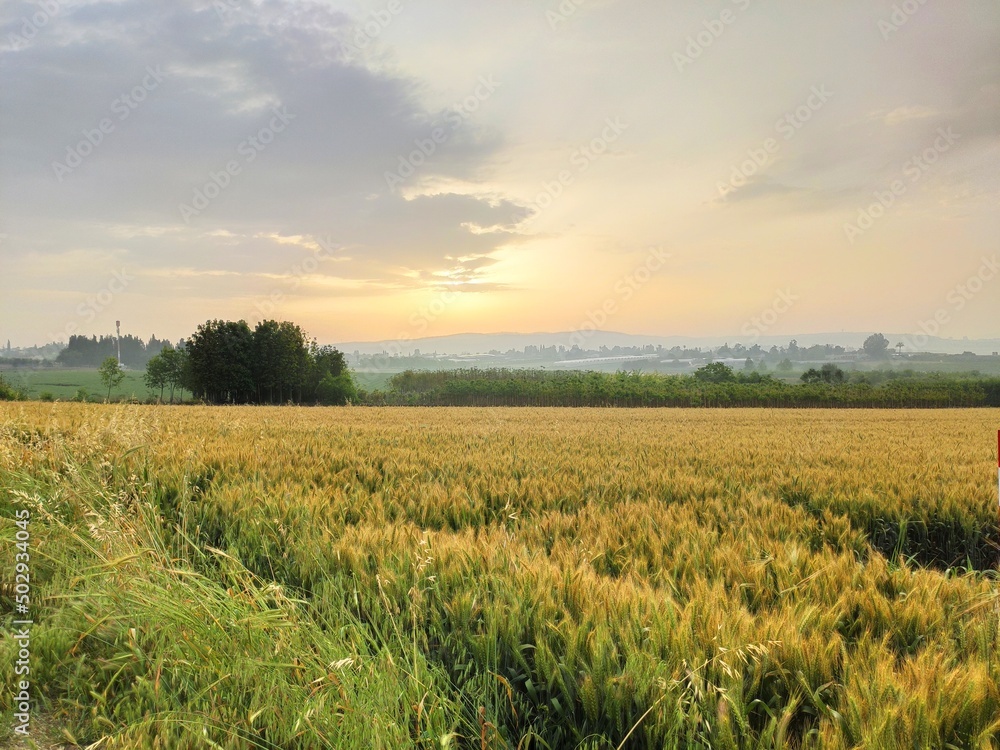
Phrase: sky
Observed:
(391, 169)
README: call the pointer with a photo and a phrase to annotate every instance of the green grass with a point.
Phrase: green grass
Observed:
(65, 384)
(372, 381)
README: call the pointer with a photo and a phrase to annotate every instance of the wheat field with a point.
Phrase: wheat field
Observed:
(486, 578)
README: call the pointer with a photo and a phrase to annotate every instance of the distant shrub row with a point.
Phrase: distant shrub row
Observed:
(712, 386)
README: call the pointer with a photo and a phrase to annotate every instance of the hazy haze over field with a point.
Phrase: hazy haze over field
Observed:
(432, 168)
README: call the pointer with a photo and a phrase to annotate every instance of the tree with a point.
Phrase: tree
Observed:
(226, 362)
(281, 361)
(831, 374)
(176, 366)
(267, 360)
(876, 346)
(221, 362)
(828, 373)
(81, 351)
(323, 361)
(336, 390)
(166, 369)
(716, 372)
(156, 373)
(112, 374)
(293, 348)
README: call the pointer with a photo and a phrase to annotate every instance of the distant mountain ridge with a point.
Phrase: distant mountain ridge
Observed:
(481, 343)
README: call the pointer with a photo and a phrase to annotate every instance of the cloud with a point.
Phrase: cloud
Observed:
(225, 75)
(905, 114)
(759, 187)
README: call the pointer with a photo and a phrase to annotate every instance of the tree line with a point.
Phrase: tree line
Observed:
(84, 351)
(715, 385)
(227, 362)
(275, 363)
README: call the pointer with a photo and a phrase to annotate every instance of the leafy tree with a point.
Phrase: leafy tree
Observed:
(716, 372)
(156, 374)
(876, 346)
(111, 373)
(267, 360)
(176, 365)
(831, 373)
(812, 375)
(281, 360)
(274, 363)
(323, 361)
(294, 359)
(336, 390)
(81, 351)
(166, 369)
(221, 362)
(828, 373)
